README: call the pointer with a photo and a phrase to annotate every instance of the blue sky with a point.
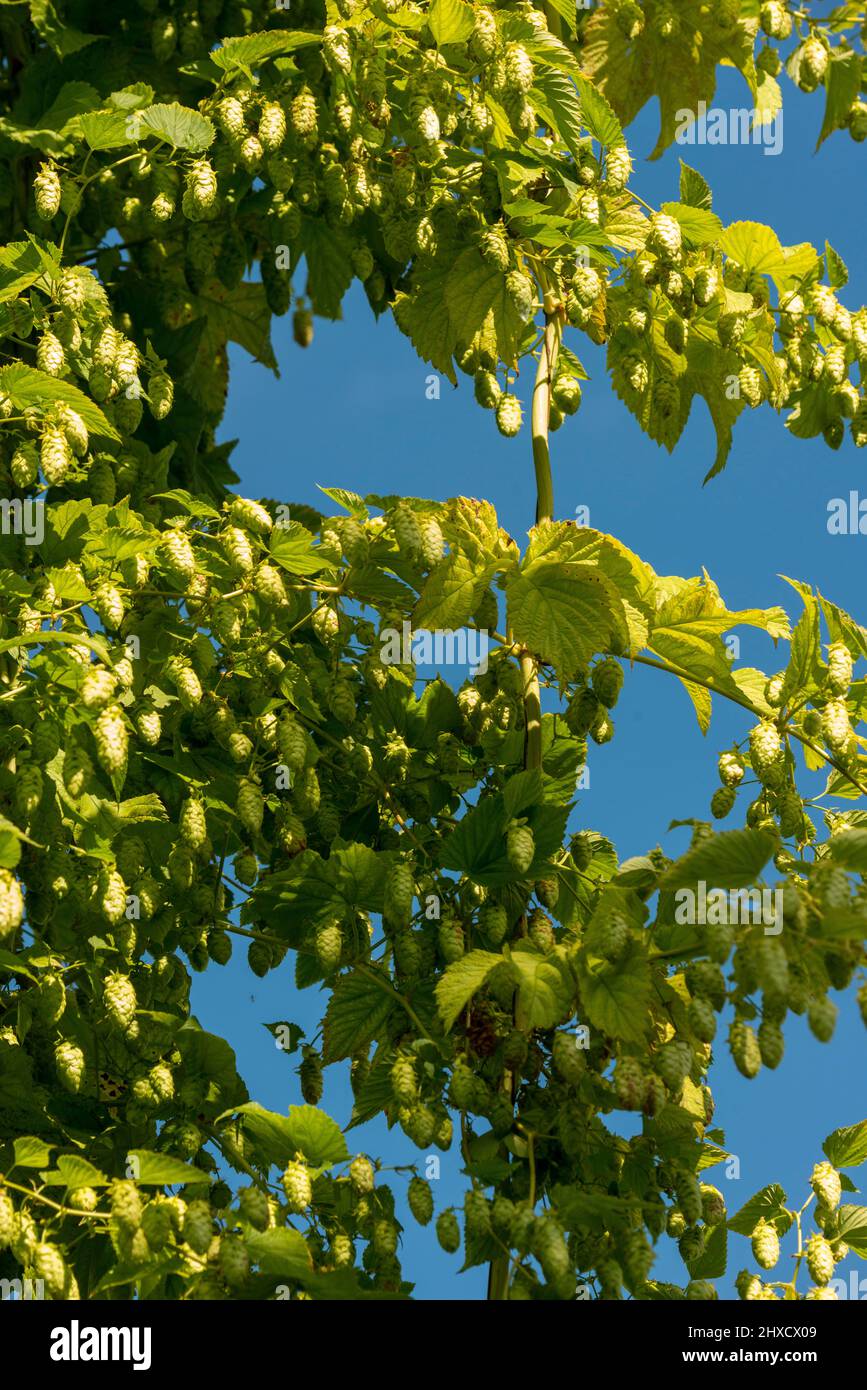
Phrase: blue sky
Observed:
(352, 410)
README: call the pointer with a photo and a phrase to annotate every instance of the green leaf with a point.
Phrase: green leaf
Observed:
(732, 859)
(838, 272)
(181, 127)
(768, 102)
(106, 130)
(253, 49)
(853, 1229)
(31, 1152)
(546, 990)
(711, 1263)
(593, 1211)
(73, 1171)
(452, 592)
(423, 315)
(560, 95)
(473, 289)
(305, 1129)
(847, 1147)
(60, 36)
(767, 1205)
(698, 225)
(292, 547)
(357, 1011)
(694, 188)
(758, 248)
(281, 1253)
(616, 996)
(317, 1136)
(238, 316)
(94, 640)
(477, 846)
(349, 501)
(599, 116)
(22, 263)
(450, 21)
(27, 386)
(849, 849)
(561, 611)
(842, 89)
(329, 263)
(10, 849)
(461, 980)
(161, 1170)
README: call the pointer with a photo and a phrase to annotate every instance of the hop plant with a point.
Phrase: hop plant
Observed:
(814, 63)
(752, 385)
(70, 1063)
(291, 743)
(618, 167)
(310, 1076)
(47, 191)
(822, 1018)
(664, 236)
(766, 1245)
(509, 415)
(50, 356)
(200, 196)
(11, 904)
(744, 1048)
(112, 896)
(55, 454)
(826, 1184)
(112, 740)
(399, 893)
(250, 806)
(607, 681)
(328, 944)
(630, 1083)
(420, 1199)
(839, 668)
(705, 285)
(198, 1226)
(519, 70)
(586, 285)
(361, 1174)
(775, 19)
(766, 752)
(297, 1187)
(820, 1260)
(192, 823)
(836, 729)
(722, 802)
(161, 394)
(119, 998)
(569, 1061)
(448, 1231)
(520, 846)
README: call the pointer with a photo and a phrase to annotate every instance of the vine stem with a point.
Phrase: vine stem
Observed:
(742, 700)
(498, 1271)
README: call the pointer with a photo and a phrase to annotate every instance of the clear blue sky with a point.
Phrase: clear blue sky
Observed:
(352, 411)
